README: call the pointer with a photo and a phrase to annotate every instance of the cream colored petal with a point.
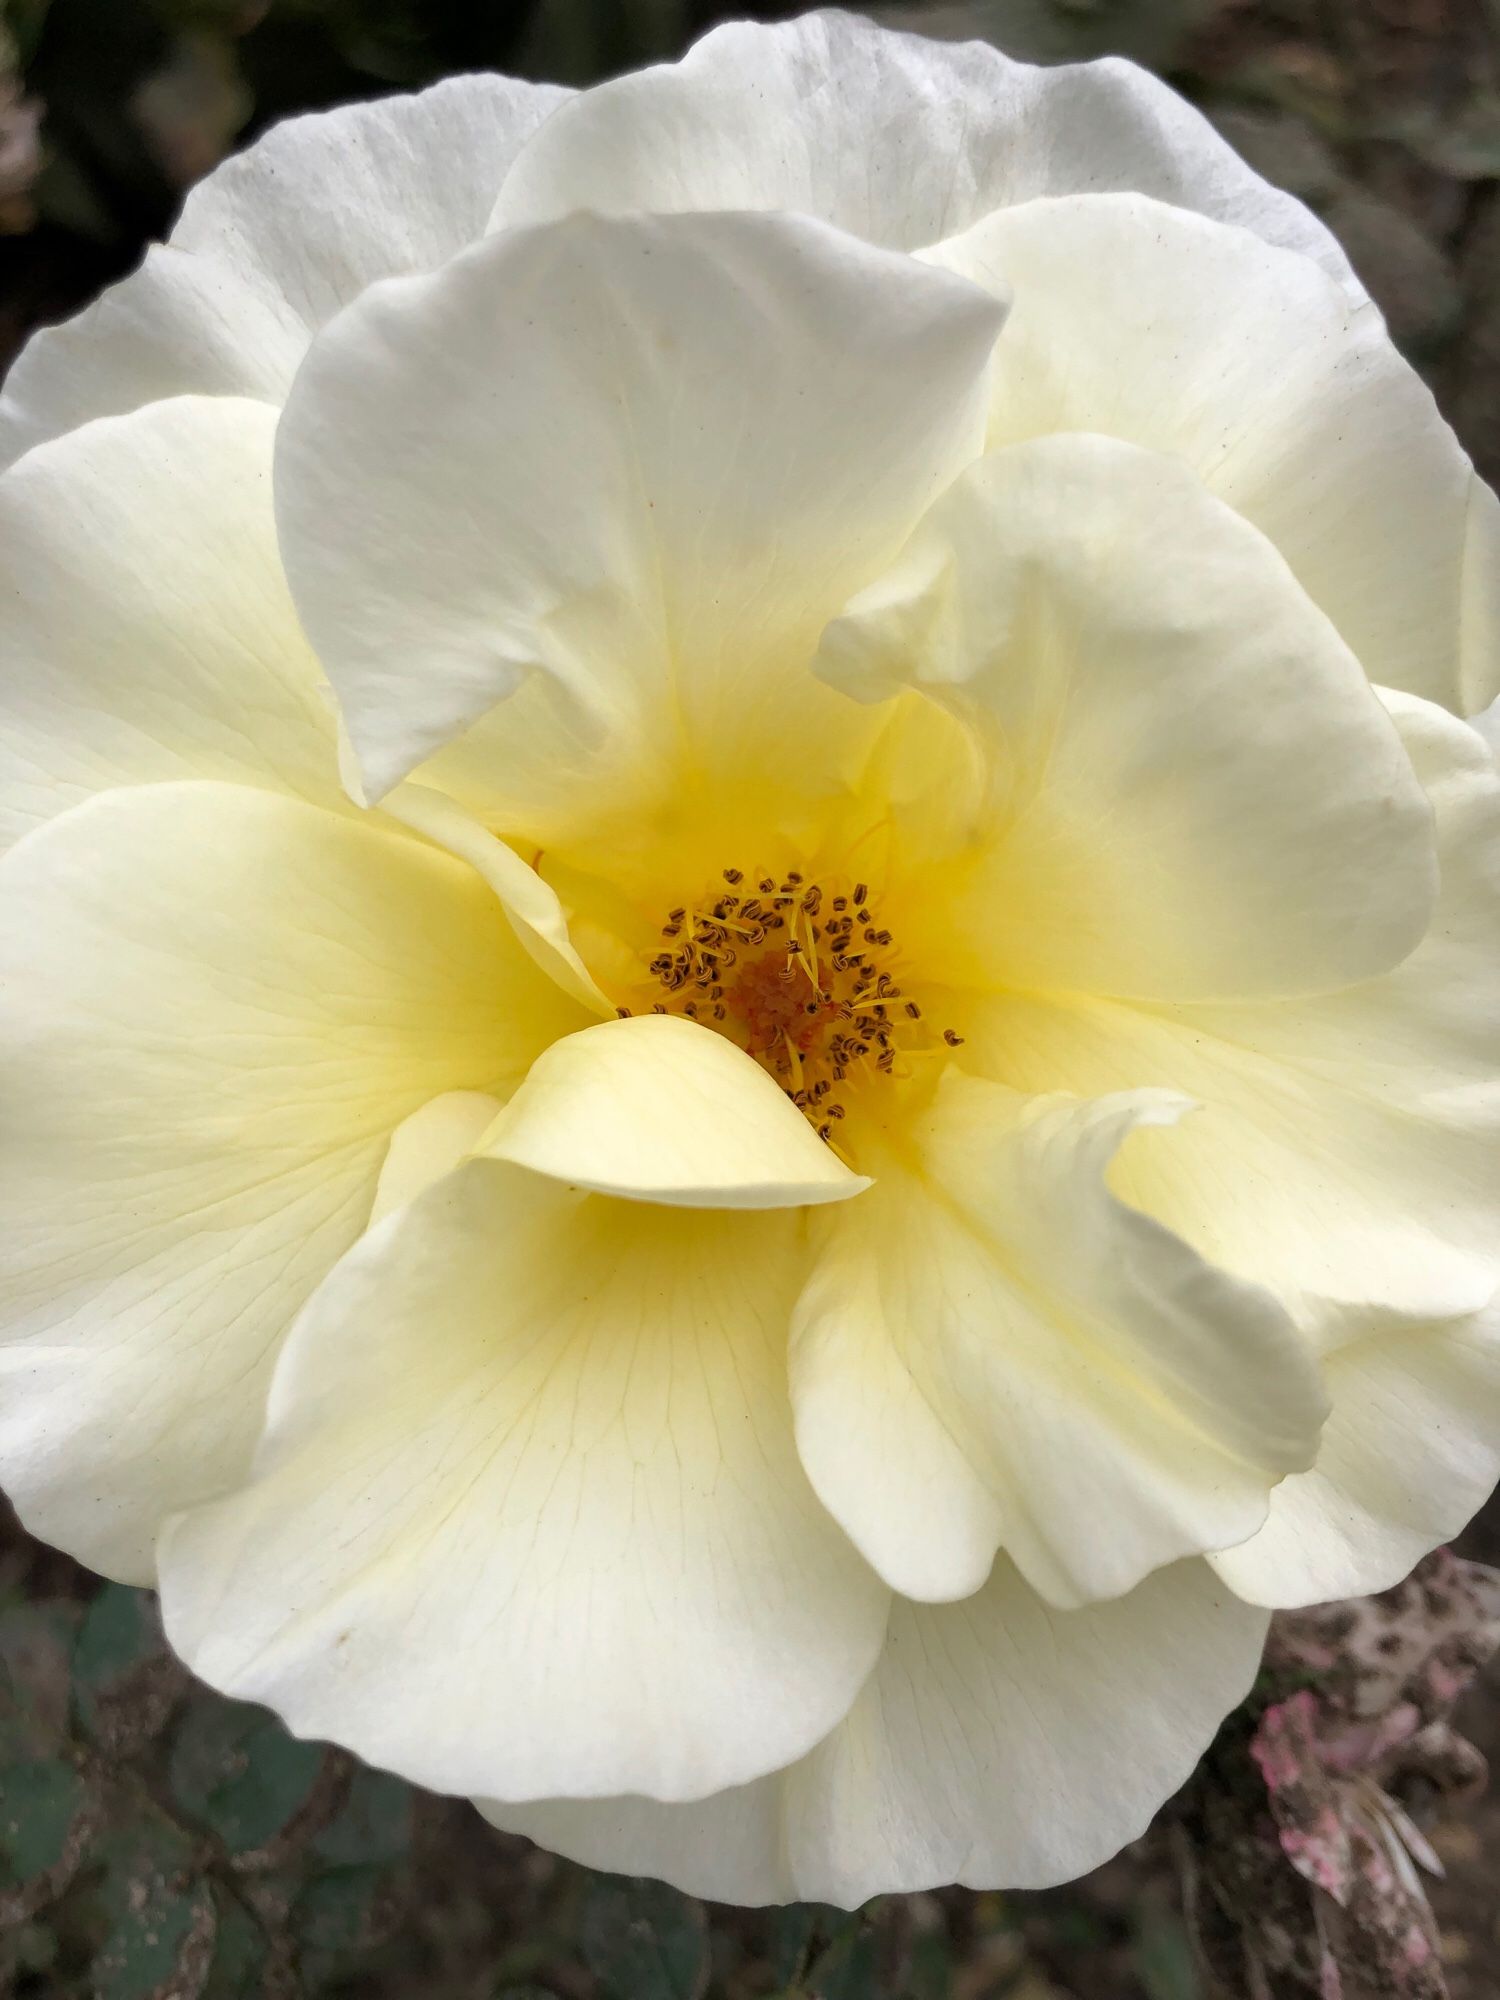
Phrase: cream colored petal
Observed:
(528, 1518)
(144, 620)
(1348, 1146)
(272, 244)
(532, 906)
(1410, 1454)
(434, 1140)
(644, 460)
(215, 1006)
(1290, 403)
(658, 1109)
(896, 138)
(179, 326)
(1195, 793)
(1000, 1744)
(994, 1351)
(327, 204)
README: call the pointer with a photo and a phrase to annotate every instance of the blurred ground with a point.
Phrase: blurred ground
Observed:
(155, 1841)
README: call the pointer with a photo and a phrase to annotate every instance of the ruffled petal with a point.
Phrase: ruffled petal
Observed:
(144, 620)
(271, 245)
(327, 204)
(1000, 1744)
(994, 1351)
(215, 1006)
(645, 459)
(528, 1517)
(1348, 1145)
(1409, 1456)
(1291, 404)
(896, 138)
(1195, 793)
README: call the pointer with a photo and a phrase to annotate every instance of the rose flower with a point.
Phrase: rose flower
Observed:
(749, 957)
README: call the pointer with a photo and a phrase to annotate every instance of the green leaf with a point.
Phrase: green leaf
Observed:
(644, 1941)
(373, 1824)
(118, 1636)
(235, 1768)
(337, 1913)
(794, 1930)
(239, 1953)
(158, 1911)
(847, 1970)
(1163, 1958)
(38, 1806)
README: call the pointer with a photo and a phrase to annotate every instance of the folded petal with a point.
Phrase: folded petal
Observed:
(326, 204)
(1348, 1145)
(535, 912)
(1000, 1744)
(659, 1109)
(1195, 792)
(645, 458)
(434, 1140)
(896, 138)
(1290, 403)
(1410, 1454)
(528, 1517)
(144, 620)
(271, 245)
(215, 1006)
(994, 1351)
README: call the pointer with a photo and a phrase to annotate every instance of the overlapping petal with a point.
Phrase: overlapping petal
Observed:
(273, 244)
(144, 619)
(528, 1517)
(1409, 1455)
(1348, 1145)
(1147, 323)
(1193, 784)
(895, 138)
(658, 1109)
(215, 1006)
(998, 1740)
(994, 1351)
(645, 458)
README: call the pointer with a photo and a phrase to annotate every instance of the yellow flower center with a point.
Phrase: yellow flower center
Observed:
(802, 975)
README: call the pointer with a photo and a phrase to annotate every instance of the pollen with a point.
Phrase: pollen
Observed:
(805, 977)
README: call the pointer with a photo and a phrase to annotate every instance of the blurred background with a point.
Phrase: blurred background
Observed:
(157, 1843)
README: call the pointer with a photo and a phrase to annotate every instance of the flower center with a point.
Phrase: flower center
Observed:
(803, 976)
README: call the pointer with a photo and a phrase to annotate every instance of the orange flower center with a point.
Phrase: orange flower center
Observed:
(803, 976)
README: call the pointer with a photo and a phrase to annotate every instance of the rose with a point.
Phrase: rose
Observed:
(654, 1269)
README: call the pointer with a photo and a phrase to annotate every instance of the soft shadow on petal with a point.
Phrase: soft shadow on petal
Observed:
(434, 1140)
(658, 1109)
(993, 1350)
(1196, 794)
(532, 905)
(896, 138)
(273, 243)
(144, 620)
(999, 1744)
(1348, 1145)
(643, 458)
(215, 1006)
(1408, 1457)
(1171, 331)
(528, 1516)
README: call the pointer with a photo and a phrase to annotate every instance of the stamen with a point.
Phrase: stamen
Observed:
(814, 1013)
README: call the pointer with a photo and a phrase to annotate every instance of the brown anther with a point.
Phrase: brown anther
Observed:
(953, 1040)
